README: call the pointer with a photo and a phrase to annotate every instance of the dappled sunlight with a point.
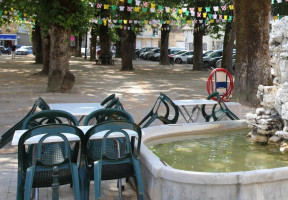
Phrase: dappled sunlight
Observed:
(137, 89)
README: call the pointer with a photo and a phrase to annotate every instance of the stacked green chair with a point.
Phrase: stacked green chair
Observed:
(52, 117)
(49, 117)
(100, 116)
(8, 135)
(112, 165)
(52, 165)
(218, 111)
(112, 102)
(107, 114)
(165, 102)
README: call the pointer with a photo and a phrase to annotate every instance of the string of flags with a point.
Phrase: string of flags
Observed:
(201, 15)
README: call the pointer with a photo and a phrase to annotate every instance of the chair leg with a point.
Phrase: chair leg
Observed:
(20, 187)
(120, 189)
(29, 183)
(138, 179)
(55, 183)
(84, 183)
(97, 179)
(152, 119)
(76, 184)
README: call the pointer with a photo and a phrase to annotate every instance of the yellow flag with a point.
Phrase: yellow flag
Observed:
(153, 5)
(136, 9)
(199, 9)
(106, 6)
(225, 17)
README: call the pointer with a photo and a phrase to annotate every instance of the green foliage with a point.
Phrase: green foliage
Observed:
(279, 8)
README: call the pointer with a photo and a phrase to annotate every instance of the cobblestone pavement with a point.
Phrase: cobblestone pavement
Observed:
(137, 90)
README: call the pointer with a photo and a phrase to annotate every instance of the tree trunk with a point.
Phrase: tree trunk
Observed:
(252, 44)
(60, 78)
(78, 44)
(198, 50)
(105, 44)
(45, 52)
(165, 31)
(127, 45)
(133, 47)
(228, 47)
(118, 44)
(37, 44)
(93, 43)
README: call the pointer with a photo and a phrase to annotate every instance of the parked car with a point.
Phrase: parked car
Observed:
(190, 58)
(212, 61)
(144, 54)
(152, 53)
(214, 55)
(171, 49)
(155, 57)
(24, 50)
(182, 57)
(144, 50)
(4, 50)
(219, 62)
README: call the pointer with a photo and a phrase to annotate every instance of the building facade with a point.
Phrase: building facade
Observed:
(209, 43)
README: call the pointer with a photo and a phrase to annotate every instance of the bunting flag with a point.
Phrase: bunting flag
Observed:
(210, 14)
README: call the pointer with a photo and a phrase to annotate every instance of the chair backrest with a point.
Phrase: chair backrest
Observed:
(218, 111)
(228, 112)
(164, 110)
(8, 135)
(221, 82)
(107, 100)
(209, 117)
(53, 154)
(112, 102)
(107, 114)
(49, 117)
(113, 127)
(42, 104)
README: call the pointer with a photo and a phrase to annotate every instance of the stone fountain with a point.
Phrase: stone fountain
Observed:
(270, 122)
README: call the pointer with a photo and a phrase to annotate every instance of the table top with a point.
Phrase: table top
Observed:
(70, 137)
(76, 109)
(192, 102)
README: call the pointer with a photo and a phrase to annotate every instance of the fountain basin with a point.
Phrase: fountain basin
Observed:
(164, 182)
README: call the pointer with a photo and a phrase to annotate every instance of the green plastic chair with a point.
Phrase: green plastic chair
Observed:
(49, 117)
(8, 135)
(52, 117)
(112, 165)
(155, 112)
(218, 111)
(107, 114)
(104, 115)
(112, 102)
(52, 165)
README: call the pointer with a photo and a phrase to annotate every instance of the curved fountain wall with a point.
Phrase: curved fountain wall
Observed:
(162, 182)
